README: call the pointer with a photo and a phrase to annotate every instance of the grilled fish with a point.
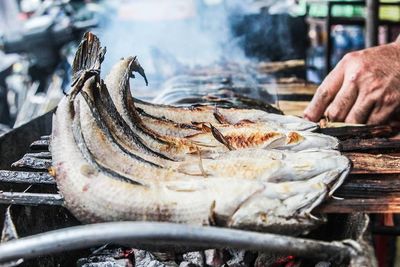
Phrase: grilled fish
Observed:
(268, 165)
(220, 136)
(104, 178)
(94, 193)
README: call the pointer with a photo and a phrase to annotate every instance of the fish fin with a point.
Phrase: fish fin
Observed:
(88, 56)
(201, 163)
(194, 168)
(212, 217)
(313, 217)
(87, 63)
(339, 181)
(185, 186)
(198, 143)
(220, 137)
(219, 117)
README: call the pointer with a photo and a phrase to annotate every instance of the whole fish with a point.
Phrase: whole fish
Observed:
(227, 115)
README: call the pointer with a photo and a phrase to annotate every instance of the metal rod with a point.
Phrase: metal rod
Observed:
(40, 155)
(40, 144)
(31, 199)
(26, 177)
(329, 46)
(45, 137)
(136, 234)
(32, 163)
(372, 23)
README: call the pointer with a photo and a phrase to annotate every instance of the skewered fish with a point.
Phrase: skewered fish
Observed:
(268, 165)
(99, 115)
(107, 173)
(245, 134)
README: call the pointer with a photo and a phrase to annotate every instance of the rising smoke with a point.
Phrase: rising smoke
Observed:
(169, 36)
(202, 36)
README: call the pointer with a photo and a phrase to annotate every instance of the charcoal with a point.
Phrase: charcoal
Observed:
(146, 259)
(104, 261)
(240, 258)
(193, 259)
(323, 264)
(187, 264)
(214, 257)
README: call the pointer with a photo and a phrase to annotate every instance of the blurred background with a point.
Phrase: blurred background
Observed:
(264, 54)
(246, 42)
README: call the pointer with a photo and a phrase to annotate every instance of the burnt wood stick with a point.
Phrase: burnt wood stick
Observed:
(22, 177)
(30, 199)
(348, 132)
(375, 145)
(370, 163)
(369, 187)
(364, 205)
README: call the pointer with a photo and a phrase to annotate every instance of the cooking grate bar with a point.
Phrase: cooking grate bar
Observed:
(30, 199)
(32, 162)
(173, 235)
(42, 144)
(23, 177)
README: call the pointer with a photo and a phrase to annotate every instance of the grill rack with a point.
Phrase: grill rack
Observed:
(32, 170)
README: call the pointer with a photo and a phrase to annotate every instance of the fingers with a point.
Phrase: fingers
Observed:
(361, 110)
(343, 102)
(325, 93)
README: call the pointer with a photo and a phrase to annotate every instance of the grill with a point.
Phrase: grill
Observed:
(30, 204)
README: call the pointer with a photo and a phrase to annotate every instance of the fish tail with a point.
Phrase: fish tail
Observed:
(87, 63)
(89, 55)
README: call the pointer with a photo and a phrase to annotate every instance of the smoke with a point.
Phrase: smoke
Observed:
(171, 36)
(168, 35)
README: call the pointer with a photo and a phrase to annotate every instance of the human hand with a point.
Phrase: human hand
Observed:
(364, 87)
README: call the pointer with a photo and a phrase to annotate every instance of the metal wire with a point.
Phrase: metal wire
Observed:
(137, 234)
